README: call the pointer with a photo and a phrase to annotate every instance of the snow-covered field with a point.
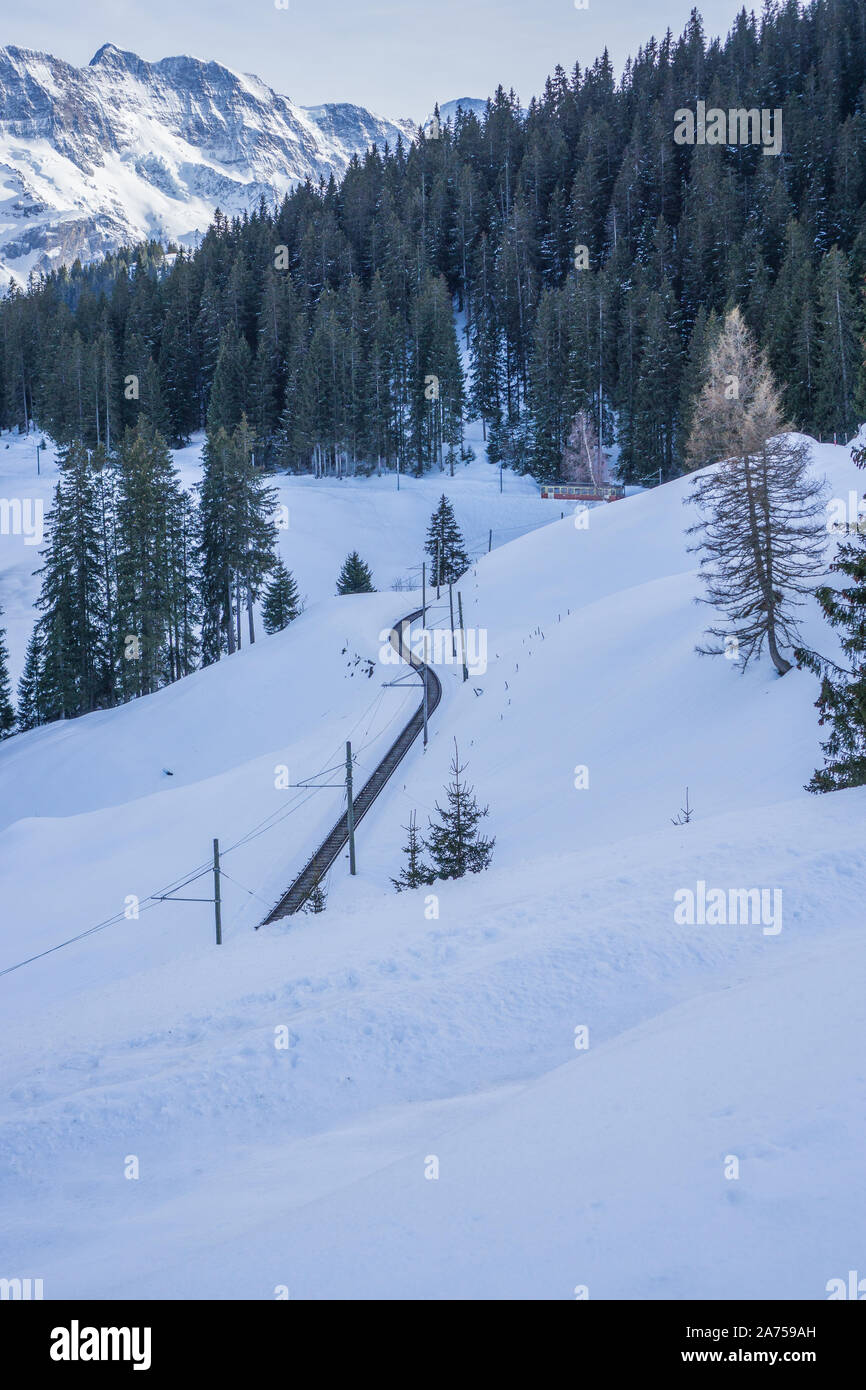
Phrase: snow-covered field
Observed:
(383, 1102)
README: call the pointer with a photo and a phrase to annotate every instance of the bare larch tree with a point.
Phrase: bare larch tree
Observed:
(762, 530)
(583, 459)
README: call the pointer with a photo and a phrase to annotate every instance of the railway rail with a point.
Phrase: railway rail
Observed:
(334, 842)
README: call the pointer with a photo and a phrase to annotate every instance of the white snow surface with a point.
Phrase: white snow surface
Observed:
(411, 1037)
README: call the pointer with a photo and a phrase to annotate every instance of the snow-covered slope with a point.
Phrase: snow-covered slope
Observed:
(98, 157)
(411, 1036)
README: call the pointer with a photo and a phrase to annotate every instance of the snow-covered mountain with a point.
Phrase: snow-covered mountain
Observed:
(470, 105)
(97, 157)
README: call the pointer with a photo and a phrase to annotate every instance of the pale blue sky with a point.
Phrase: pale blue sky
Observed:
(394, 58)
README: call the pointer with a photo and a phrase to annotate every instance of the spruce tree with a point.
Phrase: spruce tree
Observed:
(842, 702)
(436, 385)
(155, 606)
(651, 437)
(281, 603)
(355, 576)
(29, 698)
(703, 332)
(445, 546)
(837, 350)
(74, 659)
(237, 538)
(7, 713)
(232, 381)
(317, 900)
(791, 335)
(455, 844)
(485, 396)
(415, 872)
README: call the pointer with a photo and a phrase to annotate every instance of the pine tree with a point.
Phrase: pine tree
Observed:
(355, 576)
(281, 603)
(7, 713)
(842, 702)
(454, 844)
(445, 546)
(761, 524)
(415, 872)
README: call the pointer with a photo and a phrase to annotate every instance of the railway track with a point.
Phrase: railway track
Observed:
(317, 866)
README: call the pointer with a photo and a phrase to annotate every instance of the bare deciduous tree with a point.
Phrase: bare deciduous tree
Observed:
(583, 459)
(761, 527)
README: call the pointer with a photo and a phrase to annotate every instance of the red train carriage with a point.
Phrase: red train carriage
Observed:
(583, 492)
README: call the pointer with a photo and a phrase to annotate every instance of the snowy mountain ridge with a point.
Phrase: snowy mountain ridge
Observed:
(97, 157)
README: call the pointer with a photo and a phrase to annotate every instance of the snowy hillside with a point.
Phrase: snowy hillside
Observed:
(96, 158)
(411, 1037)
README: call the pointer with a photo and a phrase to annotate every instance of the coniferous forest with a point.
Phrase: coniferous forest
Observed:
(570, 261)
(328, 321)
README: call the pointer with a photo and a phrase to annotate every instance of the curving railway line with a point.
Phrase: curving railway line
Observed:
(316, 867)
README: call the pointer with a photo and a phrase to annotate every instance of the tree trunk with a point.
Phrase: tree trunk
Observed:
(780, 662)
(230, 616)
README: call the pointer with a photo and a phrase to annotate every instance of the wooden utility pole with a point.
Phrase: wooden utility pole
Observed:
(451, 606)
(217, 900)
(350, 808)
(489, 540)
(426, 641)
(462, 635)
(438, 563)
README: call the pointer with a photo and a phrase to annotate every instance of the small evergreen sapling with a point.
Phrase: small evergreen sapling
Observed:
(455, 844)
(281, 603)
(445, 546)
(318, 899)
(415, 872)
(355, 576)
